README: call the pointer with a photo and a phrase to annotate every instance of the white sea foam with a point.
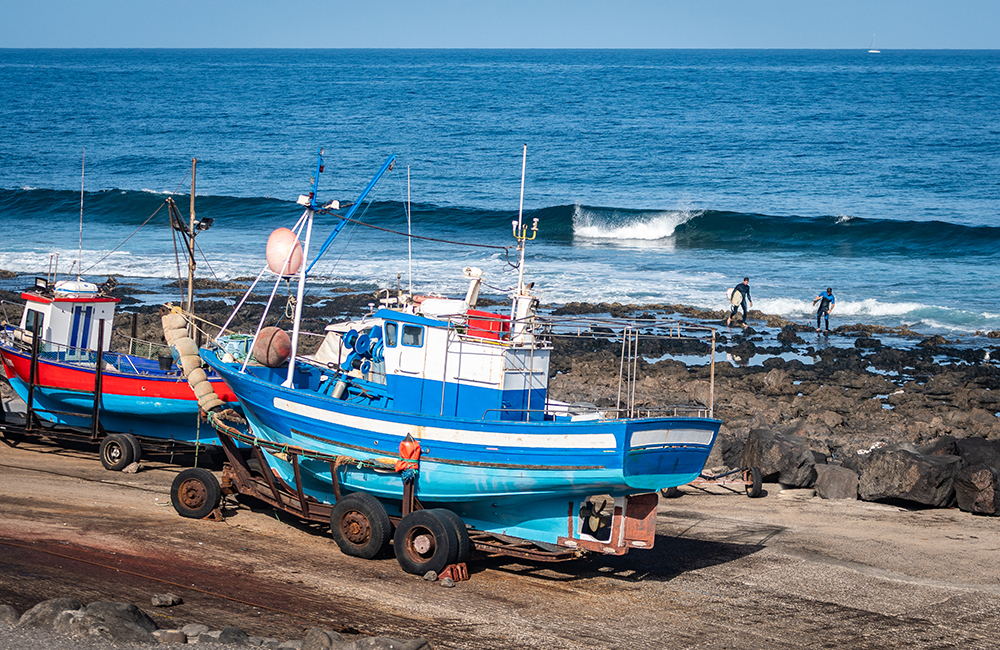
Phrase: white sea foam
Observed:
(643, 277)
(623, 227)
(844, 218)
(147, 191)
(875, 308)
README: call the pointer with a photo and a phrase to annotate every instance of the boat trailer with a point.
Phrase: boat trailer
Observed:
(117, 450)
(357, 526)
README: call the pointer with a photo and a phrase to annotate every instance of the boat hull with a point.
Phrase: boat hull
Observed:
(148, 405)
(515, 478)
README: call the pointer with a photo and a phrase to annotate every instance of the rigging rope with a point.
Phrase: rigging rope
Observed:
(403, 234)
(115, 249)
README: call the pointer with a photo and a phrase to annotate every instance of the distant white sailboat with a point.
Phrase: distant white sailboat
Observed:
(871, 48)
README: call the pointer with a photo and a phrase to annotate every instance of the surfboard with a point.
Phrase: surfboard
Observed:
(735, 297)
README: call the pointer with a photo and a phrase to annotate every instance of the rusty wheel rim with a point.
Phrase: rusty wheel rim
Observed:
(420, 543)
(192, 494)
(356, 528)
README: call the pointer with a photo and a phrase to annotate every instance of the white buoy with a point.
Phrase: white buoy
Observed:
(284, 252)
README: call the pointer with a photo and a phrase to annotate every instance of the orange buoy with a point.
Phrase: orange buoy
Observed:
(284, 252)
(409, 453)
(273, 347)
(409, 449)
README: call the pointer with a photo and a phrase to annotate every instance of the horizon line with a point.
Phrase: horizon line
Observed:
(882, 50)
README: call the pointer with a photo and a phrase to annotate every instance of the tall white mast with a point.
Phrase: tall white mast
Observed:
(300, 293)
(409, 230)
(79, 264)
(517, 230)
(521, 309)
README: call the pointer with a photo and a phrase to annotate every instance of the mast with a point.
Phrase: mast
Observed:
(191, 263)
(301, 289)
(311, 208)
(520, 310)
(519, 234)
(79, 264)
(409, 231)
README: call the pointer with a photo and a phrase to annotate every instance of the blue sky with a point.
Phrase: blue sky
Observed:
(843, 24)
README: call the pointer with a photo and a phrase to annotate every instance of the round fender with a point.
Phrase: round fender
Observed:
(284, 252)
(172, 335)
(190, 363)
(186, 346)
(197, 376)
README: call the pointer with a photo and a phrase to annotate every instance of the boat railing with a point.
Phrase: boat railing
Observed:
(61, 353)
(601, 413)
(680, 410)
(638, 337)
(146, 349)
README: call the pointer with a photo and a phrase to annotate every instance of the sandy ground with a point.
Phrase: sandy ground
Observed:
(787, 570)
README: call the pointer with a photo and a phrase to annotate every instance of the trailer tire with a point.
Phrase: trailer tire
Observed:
(425, 541)
(136, 447)
(464, 546)
(116, 452)
(195, 493)
(754, 482)
(360, 525)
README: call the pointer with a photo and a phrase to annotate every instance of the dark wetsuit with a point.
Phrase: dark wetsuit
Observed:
(745, 290)
(826, 300)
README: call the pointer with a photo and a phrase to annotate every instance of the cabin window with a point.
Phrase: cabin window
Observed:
(31, 317)
(413, 335)
(391, 331)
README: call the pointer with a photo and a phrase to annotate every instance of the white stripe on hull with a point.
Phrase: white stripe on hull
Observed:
(604, 441)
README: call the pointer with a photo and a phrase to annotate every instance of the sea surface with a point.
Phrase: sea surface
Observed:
(656, 176)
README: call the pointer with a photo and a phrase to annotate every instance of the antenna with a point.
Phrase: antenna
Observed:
(409, 238)
(83, 165)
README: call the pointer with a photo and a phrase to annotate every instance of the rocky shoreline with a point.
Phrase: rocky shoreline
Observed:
(899, 415)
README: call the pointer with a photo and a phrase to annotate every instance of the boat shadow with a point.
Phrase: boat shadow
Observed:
(674, 553)
(670, 557)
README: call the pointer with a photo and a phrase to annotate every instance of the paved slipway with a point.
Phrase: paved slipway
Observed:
(787, 570)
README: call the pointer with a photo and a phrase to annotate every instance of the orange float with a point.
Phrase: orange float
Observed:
(409, 453)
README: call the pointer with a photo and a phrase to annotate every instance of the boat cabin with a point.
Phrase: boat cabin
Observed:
(67, 316)
(443, 357)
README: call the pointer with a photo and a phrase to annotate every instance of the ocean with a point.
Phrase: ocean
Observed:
(656, 176)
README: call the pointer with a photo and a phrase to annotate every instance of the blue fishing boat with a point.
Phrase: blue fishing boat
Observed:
(435, 414)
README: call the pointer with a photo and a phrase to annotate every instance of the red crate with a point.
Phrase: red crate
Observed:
(488, 325)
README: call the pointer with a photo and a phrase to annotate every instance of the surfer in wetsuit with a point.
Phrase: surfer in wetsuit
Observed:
(744, 289)
(826, 302)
